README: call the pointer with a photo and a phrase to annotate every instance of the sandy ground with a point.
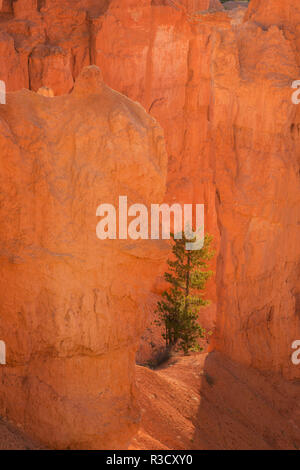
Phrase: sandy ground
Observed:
(205, 401)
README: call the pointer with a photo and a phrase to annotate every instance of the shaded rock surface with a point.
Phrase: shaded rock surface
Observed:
(12, 439)
(209, 402)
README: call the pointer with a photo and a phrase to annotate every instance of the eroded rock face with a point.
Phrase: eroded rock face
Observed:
(219, 83)
(285, 14)
(72, 306)
(230, 129)
(195, 5)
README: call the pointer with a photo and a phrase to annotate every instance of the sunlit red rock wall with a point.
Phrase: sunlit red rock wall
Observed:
(220, 86)
(223, 97)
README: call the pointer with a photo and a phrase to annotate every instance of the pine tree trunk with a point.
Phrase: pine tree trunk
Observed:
(187, 290)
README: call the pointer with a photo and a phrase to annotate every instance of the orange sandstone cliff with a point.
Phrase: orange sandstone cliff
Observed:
(221, 91)
(218, 81)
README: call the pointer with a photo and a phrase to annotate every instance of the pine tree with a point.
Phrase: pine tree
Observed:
(178, 310)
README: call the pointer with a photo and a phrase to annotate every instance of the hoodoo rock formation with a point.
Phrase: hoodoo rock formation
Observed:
(218, 81)
(73, 307)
